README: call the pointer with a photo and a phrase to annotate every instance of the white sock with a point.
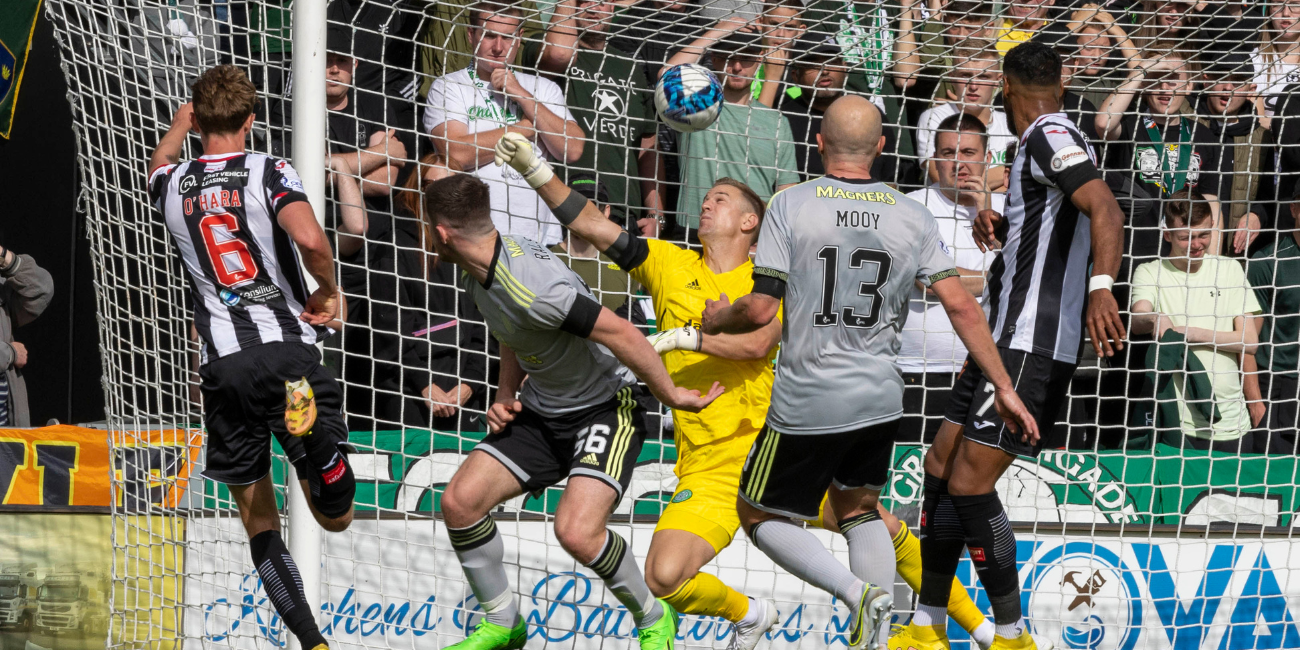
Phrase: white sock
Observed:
(798, 551)
(751, 616)
(983, 635)
(930, 615)
(1010, 631)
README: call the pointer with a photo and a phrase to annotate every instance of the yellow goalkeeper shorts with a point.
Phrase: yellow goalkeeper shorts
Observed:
(705, 504)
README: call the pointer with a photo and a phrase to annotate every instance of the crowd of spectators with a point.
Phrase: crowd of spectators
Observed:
(1188, 107)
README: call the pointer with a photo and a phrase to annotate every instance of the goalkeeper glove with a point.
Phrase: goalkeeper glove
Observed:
(516, 150)
(678, 338)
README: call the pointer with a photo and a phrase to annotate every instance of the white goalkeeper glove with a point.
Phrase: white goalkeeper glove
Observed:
(678, 338)
(516, 150)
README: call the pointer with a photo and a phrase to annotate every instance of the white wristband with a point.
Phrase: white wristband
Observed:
(1100, 282)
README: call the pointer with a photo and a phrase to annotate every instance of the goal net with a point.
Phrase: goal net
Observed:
(1141, 525)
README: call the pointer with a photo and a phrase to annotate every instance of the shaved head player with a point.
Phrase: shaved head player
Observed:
(843, 251)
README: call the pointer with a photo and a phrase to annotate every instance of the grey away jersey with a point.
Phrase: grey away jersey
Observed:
(849, 251)
(533, 304)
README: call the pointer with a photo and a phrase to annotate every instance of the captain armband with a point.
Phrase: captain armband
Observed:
(769, 282)
(942, 275)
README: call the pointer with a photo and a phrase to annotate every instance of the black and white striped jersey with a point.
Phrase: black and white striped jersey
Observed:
(247, 284)
(1038, 286)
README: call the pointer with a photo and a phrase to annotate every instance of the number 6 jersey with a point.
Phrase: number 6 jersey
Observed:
(246, 281)
(848, 251)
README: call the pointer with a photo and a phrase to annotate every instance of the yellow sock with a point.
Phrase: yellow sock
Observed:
(907, 553)
(705, 594)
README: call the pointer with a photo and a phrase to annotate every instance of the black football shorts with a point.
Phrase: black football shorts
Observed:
(1042, 383)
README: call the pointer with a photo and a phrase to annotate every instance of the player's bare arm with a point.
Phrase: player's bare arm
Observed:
(626, 342)
(168, 151)
(1104, 325)
(506, 405)
(751, 312)
(299, 222)
(971, 325)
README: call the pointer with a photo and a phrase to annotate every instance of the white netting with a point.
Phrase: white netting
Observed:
(1127, 540)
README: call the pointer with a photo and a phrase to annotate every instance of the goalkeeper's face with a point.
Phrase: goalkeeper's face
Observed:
(726, 215)
(494, 42)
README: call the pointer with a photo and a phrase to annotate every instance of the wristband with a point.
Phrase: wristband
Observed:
(570, 208)
(1100, 282)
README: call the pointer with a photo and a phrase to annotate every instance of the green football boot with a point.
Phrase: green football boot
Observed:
(663, 633)
(490, 636)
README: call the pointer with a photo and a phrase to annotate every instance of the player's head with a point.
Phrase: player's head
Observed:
(851, 132)
(433, 166)
(1031, 82)
(1168, 80)
(736, 58)
(457, 213)
(494, 27)
(1189, 224)
(731, 210)
(975, 79)
(224, 100)
(960, 150)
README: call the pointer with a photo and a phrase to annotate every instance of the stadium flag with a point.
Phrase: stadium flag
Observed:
(17, 22)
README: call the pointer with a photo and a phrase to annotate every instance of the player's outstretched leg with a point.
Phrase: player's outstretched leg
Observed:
(481, 484)
(871, 553)
(673, 573)
(276, 568)
(580, 523)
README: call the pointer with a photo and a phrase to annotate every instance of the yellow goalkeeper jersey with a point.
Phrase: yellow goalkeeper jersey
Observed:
(679, 282)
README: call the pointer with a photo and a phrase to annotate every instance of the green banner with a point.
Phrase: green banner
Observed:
(404, 471)
(17, 22)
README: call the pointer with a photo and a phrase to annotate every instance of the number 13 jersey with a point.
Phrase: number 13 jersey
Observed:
(848, 252)
(247, 285)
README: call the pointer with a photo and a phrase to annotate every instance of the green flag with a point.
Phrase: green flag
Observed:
(17, 22)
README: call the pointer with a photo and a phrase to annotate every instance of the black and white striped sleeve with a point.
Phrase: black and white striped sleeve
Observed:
(1060, 156)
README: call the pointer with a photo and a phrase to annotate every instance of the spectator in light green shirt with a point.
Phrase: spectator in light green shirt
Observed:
(1208, 300)
(750, 142)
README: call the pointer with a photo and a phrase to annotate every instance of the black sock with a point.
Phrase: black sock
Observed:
(283, 585)
(942, 540)
(992, 548)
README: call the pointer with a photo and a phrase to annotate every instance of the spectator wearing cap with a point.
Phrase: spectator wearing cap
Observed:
(976, 79)
(1201, 311)
(749, 141)
(818, 75)
(931, 355)
(1158, 142)
(610, 284)
(469, 110)
(1276, 59)
(1246, 154)
(607, 92)
(1274, 273)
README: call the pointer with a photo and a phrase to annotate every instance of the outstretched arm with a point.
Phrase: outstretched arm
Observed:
(752, 311)
(627, 344)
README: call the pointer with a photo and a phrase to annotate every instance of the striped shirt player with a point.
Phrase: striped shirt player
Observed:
(1037, 288)
(543, 312)
(849, 252)
(248, 291)
(221, 212)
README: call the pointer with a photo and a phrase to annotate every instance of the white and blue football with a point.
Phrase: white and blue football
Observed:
(688, 98)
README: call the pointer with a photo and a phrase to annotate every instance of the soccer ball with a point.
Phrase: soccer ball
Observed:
(688, 98)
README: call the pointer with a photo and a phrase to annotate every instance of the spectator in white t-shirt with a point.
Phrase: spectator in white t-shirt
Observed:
(931, 354)
(1277, 59)
(974, 80)
(470, 109)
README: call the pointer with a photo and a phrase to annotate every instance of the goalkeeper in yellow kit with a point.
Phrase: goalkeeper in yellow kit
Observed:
(701, 518)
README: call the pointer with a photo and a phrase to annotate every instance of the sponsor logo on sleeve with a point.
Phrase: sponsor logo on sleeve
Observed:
(291, 183)
(1068, 157)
